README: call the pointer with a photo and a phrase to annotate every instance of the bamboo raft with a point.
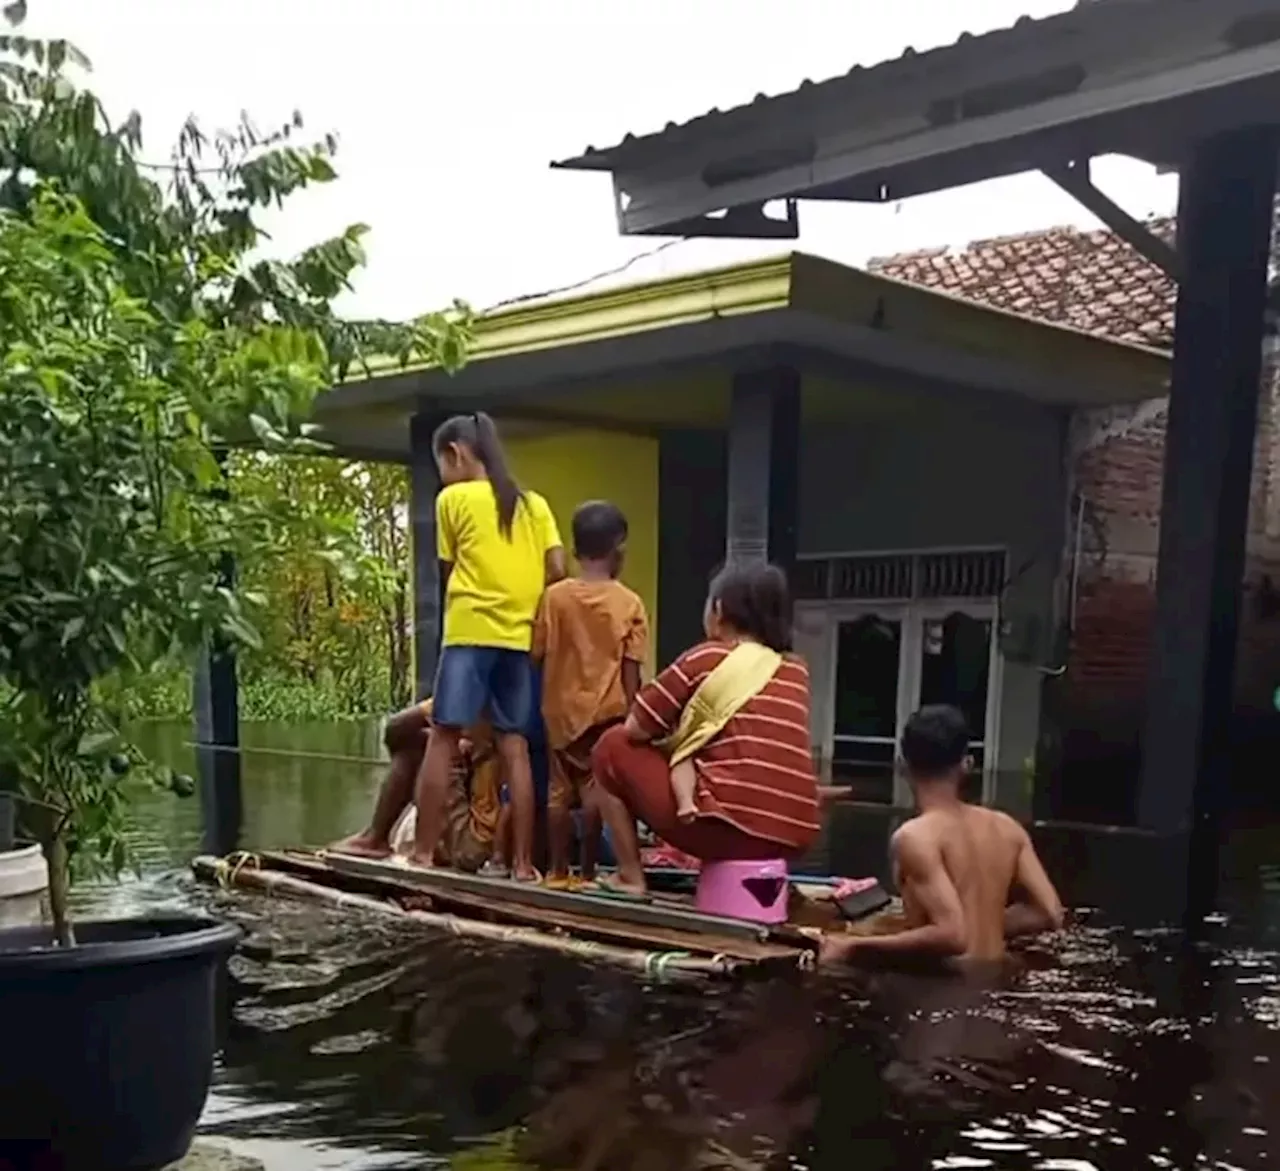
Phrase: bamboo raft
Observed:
(663, 937)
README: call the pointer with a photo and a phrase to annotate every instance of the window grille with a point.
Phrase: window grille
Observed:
(905, 577)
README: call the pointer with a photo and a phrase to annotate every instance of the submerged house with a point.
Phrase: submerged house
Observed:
(1095, 282)
(908, 454)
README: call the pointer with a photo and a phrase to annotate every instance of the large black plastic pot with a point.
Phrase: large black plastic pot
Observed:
(106, 1048)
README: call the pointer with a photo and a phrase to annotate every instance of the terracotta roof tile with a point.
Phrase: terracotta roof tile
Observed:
(1091, 280)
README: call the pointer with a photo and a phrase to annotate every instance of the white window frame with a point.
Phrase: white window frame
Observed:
(819, 620)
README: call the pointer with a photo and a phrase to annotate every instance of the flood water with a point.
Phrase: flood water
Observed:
(351, 1044)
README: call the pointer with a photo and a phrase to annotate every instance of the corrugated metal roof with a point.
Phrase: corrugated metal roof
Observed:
(906, 68)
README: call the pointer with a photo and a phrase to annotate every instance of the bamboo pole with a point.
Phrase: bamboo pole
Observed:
(242, 870)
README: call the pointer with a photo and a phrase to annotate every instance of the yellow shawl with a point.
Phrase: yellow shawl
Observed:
(741, 675)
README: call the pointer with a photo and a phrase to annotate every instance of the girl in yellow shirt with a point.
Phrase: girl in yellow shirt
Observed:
(499, 548)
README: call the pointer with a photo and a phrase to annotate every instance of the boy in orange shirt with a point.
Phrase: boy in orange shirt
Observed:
(590, 635)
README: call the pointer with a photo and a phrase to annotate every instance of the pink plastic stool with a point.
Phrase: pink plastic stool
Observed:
(744, 890)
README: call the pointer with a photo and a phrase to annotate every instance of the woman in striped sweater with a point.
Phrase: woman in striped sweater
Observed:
(756, 795)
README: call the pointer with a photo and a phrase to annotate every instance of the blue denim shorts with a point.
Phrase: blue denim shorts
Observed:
(472, 681)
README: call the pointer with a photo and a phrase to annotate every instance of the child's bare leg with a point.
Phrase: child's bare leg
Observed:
(684, 783)
(514, 750)
(559, 818)
(432, 791)
(559, 840)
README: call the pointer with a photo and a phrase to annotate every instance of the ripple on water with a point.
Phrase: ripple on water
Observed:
(379, 1042)
(361, 1045)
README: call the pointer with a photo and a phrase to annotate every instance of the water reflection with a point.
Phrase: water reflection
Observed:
(387, 1046)
(1122, 1056)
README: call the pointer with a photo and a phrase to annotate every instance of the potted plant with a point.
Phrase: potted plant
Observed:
(141, 334)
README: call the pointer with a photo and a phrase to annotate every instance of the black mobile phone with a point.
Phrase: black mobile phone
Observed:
(863, 903)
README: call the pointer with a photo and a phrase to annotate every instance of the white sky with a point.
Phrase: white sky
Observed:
(448, 115)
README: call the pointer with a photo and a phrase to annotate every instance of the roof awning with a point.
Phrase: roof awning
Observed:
(1144, 78)
(660, 354)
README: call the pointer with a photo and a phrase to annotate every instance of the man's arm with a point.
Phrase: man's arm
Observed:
(1039, 908)
(921, 872)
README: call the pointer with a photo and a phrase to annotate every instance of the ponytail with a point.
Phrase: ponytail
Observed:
(478, 432)
(506, 492)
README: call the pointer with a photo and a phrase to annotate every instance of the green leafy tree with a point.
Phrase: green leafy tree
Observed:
(332, 587)
(141, 336)
(335, 630)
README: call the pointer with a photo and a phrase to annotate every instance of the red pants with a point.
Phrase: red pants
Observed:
(639, 776)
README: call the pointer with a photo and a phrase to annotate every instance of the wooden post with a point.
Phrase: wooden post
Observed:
(1224, 232)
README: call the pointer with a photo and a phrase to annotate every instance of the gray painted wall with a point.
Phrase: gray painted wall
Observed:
(942, 476)
(938, 474)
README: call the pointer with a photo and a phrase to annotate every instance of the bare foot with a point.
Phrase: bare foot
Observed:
(525, 874)
(418, 861)
(361, 845)
(686, 813)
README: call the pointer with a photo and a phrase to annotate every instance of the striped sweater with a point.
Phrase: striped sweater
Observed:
(757, 773)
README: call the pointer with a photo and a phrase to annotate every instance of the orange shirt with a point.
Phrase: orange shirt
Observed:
(582, 634)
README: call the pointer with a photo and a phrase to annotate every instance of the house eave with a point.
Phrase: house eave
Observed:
(1137, 77)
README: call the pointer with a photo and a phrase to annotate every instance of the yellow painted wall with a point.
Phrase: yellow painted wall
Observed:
(573, 466)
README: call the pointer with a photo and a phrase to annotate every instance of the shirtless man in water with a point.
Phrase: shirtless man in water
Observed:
(969, 877)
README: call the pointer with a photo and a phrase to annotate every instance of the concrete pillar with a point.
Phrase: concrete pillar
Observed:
(428, 601)
(764, 466)
(692, 474)
(216, 699)
(1224, 232)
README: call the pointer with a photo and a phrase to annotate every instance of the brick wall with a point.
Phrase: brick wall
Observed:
(1093, 281)
(1117, 465)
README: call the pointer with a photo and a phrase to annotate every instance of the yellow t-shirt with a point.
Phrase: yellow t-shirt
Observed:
(495, 583)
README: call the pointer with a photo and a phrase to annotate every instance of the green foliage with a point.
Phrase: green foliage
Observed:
(334, 592)
(141, 336)
(337, 622)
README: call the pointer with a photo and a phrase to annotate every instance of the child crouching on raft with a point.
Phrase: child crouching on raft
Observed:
(499, 548)
(471, 813)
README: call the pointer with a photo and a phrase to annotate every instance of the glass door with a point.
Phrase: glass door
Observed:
(954, 664)
(866, 701)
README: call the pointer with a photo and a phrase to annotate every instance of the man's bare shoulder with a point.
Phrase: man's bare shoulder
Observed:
(920, 835)
(1007, 826)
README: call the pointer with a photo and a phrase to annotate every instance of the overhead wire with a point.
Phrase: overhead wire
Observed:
(573, 287)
